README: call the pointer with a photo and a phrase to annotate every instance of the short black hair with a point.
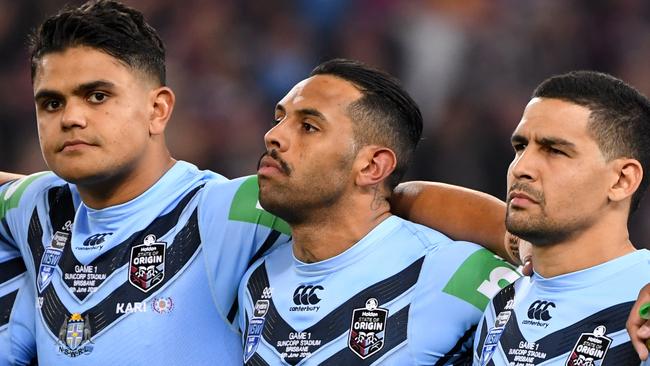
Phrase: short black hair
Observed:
(385, 114)
(107, 26)
(619, 120)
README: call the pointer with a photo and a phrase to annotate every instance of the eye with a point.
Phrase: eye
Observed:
(52, 105)
(556, 151)
(97, 97)
(308, 127)
(519, 147)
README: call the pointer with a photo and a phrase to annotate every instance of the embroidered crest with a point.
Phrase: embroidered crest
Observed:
(147, 264)
(368, 329)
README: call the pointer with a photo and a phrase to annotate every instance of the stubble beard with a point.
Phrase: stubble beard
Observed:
(538, 229)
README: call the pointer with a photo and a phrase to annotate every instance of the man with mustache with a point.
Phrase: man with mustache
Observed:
(581, 150)
(122, 242)
(356, 285)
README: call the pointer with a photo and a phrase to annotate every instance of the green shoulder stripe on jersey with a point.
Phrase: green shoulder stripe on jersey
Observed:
(480, 277)
(246, 207)
(10, 197)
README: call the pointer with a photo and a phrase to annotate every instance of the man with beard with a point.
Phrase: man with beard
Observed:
(581, 150)
(356, 286)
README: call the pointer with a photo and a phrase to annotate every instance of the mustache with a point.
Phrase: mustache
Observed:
(523, 187)
(275, 156)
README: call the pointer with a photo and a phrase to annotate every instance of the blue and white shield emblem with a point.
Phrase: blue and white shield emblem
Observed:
(74, 334)
(50, 259)
(491, 341)
(255, 328)
(253, 336)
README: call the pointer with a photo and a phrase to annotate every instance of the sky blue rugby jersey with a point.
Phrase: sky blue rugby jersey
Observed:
(569, 320)
(403, 295)
(150, 281)
(12, 277)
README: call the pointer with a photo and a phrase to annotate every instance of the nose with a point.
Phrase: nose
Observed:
(277, 138)
(73, 115)
(524, 166)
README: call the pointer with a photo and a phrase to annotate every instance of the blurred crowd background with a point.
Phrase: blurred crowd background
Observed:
(471, 65)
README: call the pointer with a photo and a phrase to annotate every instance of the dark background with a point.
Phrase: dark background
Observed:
(471, 65)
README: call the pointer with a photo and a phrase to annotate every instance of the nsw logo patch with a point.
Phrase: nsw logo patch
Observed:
(255, 328)
(368, 329)
(50, 259)
(147, 264)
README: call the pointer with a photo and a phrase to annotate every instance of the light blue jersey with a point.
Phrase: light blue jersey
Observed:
(402, 295)
(576, 319)
(12, 277)
(150, 281)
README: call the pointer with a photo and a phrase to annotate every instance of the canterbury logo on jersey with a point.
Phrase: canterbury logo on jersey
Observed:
(539, 310)
(305, 298)
(306, 295)
(96, 239)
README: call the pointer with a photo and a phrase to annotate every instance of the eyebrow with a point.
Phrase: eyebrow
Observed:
(545, 141)
(81, 89)
(304, 111)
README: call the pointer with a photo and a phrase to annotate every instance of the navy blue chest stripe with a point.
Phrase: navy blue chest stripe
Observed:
(179, 253)
(12, 268)
(256, 360)
(6, 304)
(338, 321)
(62, 210)
(10, 240)
(268, 243)
(452, 357)
(623, 354)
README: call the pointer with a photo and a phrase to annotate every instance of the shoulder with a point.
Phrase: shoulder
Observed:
(474, 274)
(239, 197)
(24, 191)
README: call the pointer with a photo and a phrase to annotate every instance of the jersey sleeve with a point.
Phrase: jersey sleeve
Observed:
(16, 199)
(455, 286)
(237, 231)
(21, 331)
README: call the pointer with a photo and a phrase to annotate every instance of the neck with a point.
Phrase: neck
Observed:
(121, 188)
(590, 248)
(318, 239)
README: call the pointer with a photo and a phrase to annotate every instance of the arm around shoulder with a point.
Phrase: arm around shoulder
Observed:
(461, 213)
(5, 177)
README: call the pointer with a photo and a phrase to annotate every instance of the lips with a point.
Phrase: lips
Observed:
(520, 199)
(269, 166)
(76, 144)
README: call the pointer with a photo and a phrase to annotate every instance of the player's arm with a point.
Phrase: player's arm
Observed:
(461, 213)
(5, 177)
(637, 326)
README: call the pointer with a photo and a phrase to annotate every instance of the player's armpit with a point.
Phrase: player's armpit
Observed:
(461, 213)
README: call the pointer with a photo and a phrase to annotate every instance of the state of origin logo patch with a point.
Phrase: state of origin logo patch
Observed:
(147, 264)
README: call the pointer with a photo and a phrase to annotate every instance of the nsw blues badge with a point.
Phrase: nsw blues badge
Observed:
(492, 338)
(50, 259)
(255, 328)
(368, 329)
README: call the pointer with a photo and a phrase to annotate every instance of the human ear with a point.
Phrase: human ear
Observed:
(377, 164)
(162, 105)
(629, 174)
